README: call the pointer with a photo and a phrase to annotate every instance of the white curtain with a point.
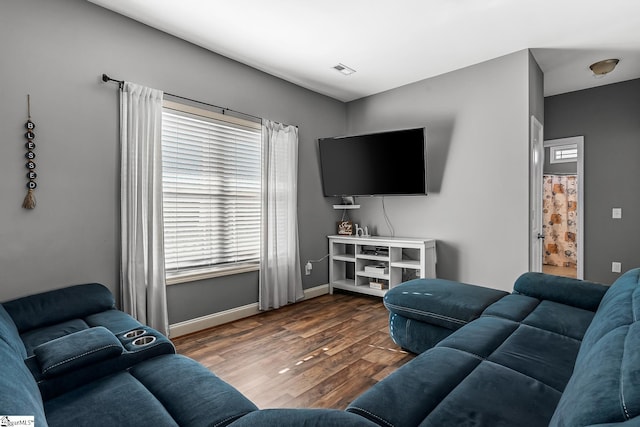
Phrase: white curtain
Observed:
(142, 256)
(280, 276)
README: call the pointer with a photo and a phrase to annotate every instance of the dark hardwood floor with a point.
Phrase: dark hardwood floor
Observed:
(319, 353)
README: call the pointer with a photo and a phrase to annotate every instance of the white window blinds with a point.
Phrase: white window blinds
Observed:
(211, 190)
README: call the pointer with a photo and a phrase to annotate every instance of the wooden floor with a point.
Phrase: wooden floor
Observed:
(319, 353)
(560, 271)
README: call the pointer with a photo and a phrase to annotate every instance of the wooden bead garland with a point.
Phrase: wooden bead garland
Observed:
(30, 200)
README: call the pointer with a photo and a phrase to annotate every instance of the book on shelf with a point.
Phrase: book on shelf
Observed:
(378, 285)
(376, 268)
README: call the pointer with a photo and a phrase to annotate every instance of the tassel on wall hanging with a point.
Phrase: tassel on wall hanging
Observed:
(30, 199)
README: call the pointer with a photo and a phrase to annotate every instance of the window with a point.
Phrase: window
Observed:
(564, 154)
(211, 181)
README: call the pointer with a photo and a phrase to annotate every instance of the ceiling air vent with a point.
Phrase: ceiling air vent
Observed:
(344, 69)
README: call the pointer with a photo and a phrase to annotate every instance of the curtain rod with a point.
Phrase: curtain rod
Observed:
(106, 78)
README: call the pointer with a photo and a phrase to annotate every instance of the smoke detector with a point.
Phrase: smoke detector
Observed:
(347, 71)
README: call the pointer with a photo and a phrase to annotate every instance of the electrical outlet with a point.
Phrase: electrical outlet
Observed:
(307, 268)
(616, 267)
(616, 213)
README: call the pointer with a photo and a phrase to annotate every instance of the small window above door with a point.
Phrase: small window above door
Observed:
(564, 154)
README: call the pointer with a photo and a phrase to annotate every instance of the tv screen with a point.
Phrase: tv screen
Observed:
(386, 163)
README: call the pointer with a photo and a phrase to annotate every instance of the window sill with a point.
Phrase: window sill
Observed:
(195, 275)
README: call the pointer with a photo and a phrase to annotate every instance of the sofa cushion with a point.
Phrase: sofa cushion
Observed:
(60, 305)
(417, 387)
(77, 350)
(564, 290)
(19, 394)
(190, 392)
(36, 337)
(604, 384)
(440, 302)
(302, 417)
(169, 390)
(449, 387)
(545, 356)
(9, 333)
(115, 320)
(620, 306)
(560, 318)
(106, 364)
(481, 340)
(604, 387)
(117, 400)
(512, 307)
(493, 395)
(547, 315)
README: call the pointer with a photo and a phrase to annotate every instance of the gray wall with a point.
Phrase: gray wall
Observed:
(56, 50)
(609, 119)
(476, 117)
(477, 123)
(536, 91)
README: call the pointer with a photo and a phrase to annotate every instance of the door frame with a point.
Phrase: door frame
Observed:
(536, 166)
(578, 141)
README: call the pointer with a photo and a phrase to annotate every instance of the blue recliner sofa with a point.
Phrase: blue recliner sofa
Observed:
(69, 358)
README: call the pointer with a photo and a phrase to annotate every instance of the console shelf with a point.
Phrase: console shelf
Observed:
(353, 261)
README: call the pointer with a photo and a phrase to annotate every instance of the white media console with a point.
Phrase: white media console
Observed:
(372, 265)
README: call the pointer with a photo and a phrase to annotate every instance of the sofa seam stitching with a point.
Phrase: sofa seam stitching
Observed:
(428, 314)
(622, 399)
(486, 359)
(524, 375)
(477, 356)
(78, 357)
(520, 323)
(407, 326)
(633, 303)
(372, 414)
(221, 422)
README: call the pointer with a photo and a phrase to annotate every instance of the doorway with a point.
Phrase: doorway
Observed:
(558, 201)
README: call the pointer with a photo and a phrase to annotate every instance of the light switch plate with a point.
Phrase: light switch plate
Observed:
(616, 267)
(616, 213)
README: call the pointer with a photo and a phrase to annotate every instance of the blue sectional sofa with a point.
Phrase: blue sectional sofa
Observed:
(557, 351)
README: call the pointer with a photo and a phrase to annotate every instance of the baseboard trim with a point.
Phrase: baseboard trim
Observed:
(215, 319)
(316, 291)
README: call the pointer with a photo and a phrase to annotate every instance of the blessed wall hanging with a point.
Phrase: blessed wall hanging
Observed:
(30, 199)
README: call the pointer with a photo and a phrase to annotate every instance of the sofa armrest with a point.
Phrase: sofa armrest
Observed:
(77, 350)
(565, 290)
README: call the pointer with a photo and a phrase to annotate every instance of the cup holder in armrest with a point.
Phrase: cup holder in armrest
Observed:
(146, 340)
(135, 333)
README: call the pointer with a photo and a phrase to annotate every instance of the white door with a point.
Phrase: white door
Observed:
(536, 237)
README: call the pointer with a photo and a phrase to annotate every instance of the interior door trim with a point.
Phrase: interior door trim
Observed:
(579, 142)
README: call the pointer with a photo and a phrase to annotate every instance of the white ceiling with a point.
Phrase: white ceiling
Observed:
(393, 43)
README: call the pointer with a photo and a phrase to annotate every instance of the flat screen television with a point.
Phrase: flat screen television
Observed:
(385, 163)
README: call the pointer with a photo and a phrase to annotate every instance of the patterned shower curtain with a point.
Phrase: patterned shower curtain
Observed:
(559, 221)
